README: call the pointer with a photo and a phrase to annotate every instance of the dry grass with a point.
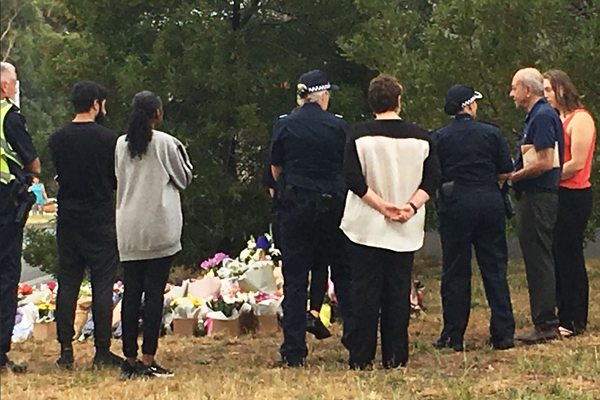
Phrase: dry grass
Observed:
(225, 368)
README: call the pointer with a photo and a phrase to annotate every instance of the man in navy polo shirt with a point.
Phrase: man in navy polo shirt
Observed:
(535, 181)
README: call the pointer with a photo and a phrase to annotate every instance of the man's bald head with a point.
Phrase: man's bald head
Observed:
(8, 84)
(530, 77)
(527, 88)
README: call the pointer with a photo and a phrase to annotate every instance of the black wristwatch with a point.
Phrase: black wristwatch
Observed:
(415, 208)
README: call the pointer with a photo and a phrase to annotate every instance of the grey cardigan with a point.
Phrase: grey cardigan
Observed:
(149, 218)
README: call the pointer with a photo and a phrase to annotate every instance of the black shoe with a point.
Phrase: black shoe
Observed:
(105, 358)
(361, 367)
(66, 358)
(500, 344)
(537, 335)
(8, 365)
(159, 371)
(316, 327)
(281, 361)
(129, 371)
(446, 343)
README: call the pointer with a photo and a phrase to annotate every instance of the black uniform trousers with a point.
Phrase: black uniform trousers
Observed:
(572, 287)
(307, 229)
(474, 217)
(148, 278)
(80, 245)
(536, 217)
(381, 281)
(11, 239)
(319, 271)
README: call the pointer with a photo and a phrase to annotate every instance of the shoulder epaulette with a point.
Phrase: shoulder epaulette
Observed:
(489, 123)
(282, 116)
(339, 116)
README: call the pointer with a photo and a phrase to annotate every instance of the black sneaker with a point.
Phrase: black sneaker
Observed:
(158, 371)
(105, 358)
(66, 358)
(500, 344)
(129, 371)
(8, 365)
(316, 327)
(446, 343)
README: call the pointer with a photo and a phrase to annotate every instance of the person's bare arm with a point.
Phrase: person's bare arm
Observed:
(504, 177)
(44, 194)
(581, 130)
(385, 208)
(35, 167)
(543, 163)
(276, 170)
(419, 198)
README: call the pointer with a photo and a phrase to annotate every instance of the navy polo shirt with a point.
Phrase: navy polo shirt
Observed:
(542, 129)
(471, 152)
(309, 143)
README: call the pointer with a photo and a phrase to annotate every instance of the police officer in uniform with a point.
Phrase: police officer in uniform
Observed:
(18, 157)
(306, 160)
(474, 158)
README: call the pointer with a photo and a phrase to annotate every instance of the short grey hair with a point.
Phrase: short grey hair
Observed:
(535, 82)
(4, 66)
(310, 98)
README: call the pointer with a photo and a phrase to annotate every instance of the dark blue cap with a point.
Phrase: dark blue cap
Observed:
(458, 97)
(314, 81)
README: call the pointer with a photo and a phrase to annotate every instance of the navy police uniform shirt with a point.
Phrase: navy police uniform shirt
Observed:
(16, 134)
(309, 144)
(471, 152)
(542, 129)
(20, 141)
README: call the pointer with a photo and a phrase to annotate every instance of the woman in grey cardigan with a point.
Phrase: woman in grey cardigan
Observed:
(152, 167)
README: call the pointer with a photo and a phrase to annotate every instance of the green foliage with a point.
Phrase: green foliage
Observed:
(226, 69)
(41, 250)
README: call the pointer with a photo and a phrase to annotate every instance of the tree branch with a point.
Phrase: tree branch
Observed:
(10, 21)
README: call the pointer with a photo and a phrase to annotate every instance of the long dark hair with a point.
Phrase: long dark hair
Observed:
(139, 132)
(564, 89)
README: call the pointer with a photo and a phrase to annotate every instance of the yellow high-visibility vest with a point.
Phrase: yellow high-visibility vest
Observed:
(6, 151)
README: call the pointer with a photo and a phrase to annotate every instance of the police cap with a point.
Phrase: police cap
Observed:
(314, 81)
(458, 97)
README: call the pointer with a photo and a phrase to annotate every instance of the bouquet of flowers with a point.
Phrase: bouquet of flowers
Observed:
(209, 267)
(262, 249)
(229, 305)
(232, 269)
(185, 307)
(46, 308)
(264, 303)
(85, 289)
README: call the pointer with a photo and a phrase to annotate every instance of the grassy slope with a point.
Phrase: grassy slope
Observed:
(226, 368)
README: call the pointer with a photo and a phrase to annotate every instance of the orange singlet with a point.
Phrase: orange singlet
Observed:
(581, 179)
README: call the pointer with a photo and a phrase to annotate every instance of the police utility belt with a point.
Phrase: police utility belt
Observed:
(295, 189)
(447, 192)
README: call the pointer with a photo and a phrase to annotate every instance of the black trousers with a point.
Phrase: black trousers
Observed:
(572, 287)
(84, 245)
(475, 218)
(11, 239)
(147, 277)
(381, 281)
(319, 274)
(306, 231)
(536, 216)
(319, 271)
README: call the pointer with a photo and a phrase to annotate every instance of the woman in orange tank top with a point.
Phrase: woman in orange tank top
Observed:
(574, 202)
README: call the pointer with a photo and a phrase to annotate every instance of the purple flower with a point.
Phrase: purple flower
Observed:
(206, 265)
(262, 243)
(219, 257)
